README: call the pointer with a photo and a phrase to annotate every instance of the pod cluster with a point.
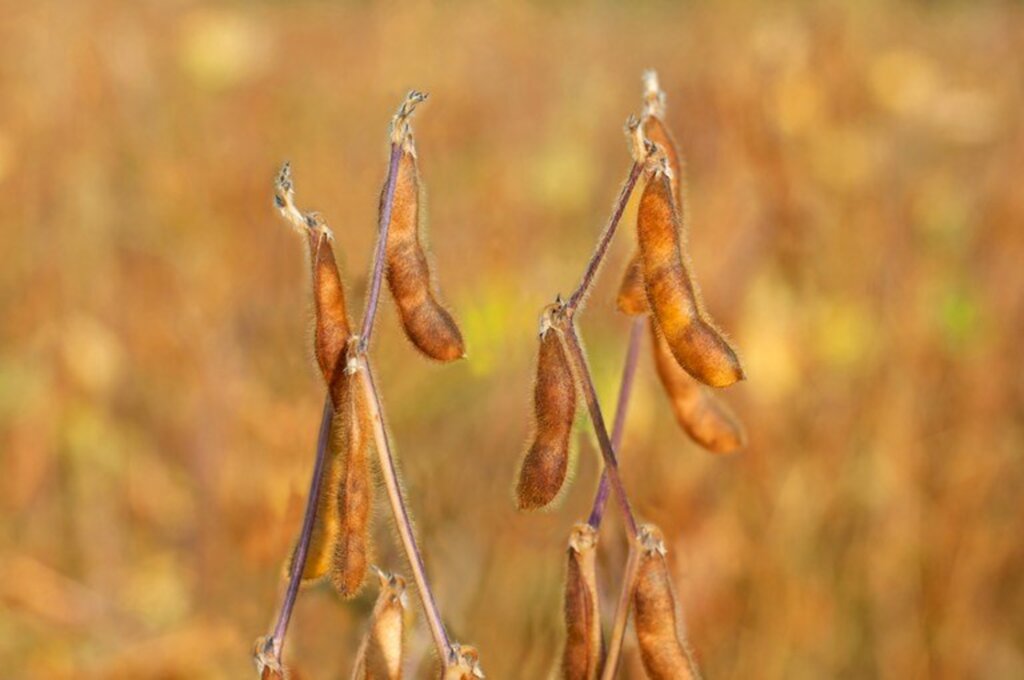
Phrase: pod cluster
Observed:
(690, 352)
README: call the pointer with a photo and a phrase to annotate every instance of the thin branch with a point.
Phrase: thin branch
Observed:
(606, 238)
(611, 465)
(611, 659)
(401, 513)
(302, 549)
(640, 149)
(400, 132)
(636, 332)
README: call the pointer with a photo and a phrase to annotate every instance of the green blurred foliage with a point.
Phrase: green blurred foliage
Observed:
(855, 220)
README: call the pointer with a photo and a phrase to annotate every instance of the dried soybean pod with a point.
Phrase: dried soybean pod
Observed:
(463, 664)
(671, 292)
(703, 416)
(427, 324)
(354, 488)
(380, 654)
(546, 463)
(661, 648)
(581, 658)
(632, 298)
(332, 327)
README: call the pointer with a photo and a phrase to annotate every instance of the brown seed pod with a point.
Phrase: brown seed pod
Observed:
(671, 291)
(703, 416)
(632, 298)
(354, 487)
(380, 654)
(662, 649)
(546, 463)
(427, 324)
(332, 327)
(581, 658)
(463, 664)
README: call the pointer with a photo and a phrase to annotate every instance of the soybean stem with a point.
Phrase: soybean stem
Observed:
(606, 238)
(386, 204)
(636, 332)
(401, 513)
(611, 659)
(308, 520)
(611, 465)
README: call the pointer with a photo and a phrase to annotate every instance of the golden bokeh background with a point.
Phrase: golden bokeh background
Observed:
(857, 224)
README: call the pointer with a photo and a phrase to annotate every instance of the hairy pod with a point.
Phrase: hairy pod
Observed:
(354, 488)
(380, 654)
(463, 664)
(704, 417)
(427, 324)
(332, 328)
(581, 658)
(671, 292)
(546, 463)
(661, 648)
(632, 298)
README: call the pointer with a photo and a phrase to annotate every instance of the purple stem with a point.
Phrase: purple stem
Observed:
(611, 465)
(636, 332)
(302, 549)
(603, 243)
(387, 203)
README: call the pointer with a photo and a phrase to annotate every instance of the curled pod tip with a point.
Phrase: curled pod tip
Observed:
(545, 466)
(662, 650)
(581, 657)
(354, 490)
(701, 414)
(380, 654)
(427, 324)
(463, 663)
(671, 292)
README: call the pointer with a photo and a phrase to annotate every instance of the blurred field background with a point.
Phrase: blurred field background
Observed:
(857, 223)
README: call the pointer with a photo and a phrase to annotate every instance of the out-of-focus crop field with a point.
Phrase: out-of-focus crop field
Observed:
(857, 224)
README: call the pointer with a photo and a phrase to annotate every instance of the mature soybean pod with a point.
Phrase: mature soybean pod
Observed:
(581, 658)
(703, 416)
(332, 328)
(695, 343)
(380, 654)
(427, 324)
(661, 648)
(354, 488)
(546, 463)
(632, 298)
